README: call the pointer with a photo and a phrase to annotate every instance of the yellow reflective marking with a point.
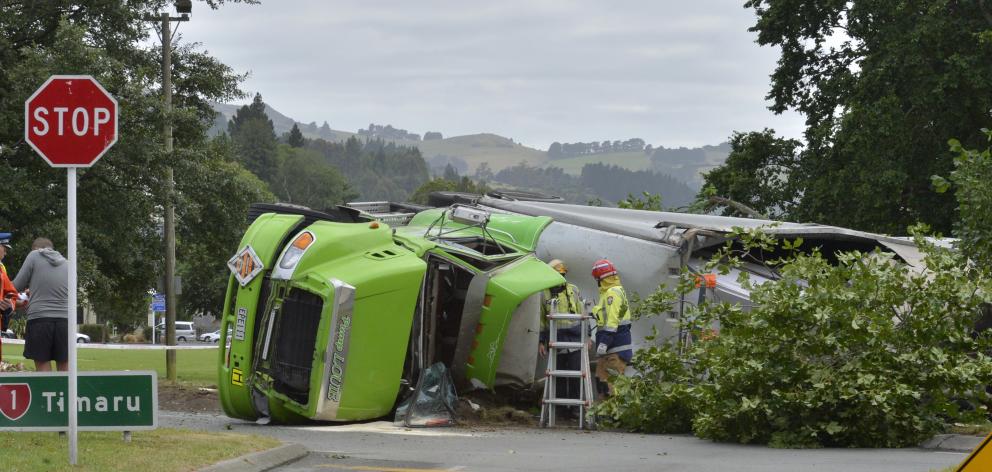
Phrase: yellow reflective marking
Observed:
(980, 459)
(237, 377)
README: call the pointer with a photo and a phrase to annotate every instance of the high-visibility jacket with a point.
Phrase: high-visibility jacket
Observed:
(8, 292)
(7, 289)
(612, 314)
(568, 302)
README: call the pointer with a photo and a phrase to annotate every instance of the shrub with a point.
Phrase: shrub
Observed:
(658, 400)
(862, 352)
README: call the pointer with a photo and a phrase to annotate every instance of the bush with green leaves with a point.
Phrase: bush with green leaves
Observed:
(658, 400)
(860, 350)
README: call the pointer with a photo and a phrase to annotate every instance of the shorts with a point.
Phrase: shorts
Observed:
(47, 339)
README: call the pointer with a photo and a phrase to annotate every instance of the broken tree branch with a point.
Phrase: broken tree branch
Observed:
(740, 207)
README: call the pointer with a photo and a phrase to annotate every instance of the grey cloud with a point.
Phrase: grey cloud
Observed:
(673, 73)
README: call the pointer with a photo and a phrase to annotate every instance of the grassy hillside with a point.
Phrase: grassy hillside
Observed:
(501, 152)
(636, 160)
(475, 149)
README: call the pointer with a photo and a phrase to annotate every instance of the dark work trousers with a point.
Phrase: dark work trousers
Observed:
(568, 387)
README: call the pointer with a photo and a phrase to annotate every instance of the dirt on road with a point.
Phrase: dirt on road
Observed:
(187, 398)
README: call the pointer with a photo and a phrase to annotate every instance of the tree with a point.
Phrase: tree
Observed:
(120, 248)
(845, 349)
(484, 173)
(970, 182)
(217, 192)
(432, 135)
(554, 151)
(255, 139)
(305, 179)
(757, 173)
(650, 202)
(463, 184)
(882, 86)
(295, 138)
(450, 173)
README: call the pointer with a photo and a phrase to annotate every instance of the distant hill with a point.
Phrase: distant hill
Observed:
(475, 149)
(281, 123)
(499, 152)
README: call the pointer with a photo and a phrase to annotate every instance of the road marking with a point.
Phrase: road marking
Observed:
(385, 469)
(386, 427)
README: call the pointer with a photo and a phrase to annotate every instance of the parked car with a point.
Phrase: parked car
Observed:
(80, 337)
(184, 331)
(212, 337)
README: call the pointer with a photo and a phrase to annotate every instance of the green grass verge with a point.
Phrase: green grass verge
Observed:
(982, 429)
(196, 367)
(159, 450)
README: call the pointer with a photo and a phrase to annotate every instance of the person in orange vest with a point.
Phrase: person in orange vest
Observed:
(8, 294)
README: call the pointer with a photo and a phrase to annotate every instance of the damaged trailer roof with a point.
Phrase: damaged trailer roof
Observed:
(667, 227)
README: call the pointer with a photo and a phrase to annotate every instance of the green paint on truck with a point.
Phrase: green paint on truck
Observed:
(343, 316)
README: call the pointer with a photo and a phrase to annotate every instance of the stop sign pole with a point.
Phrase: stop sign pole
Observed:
(71, 121)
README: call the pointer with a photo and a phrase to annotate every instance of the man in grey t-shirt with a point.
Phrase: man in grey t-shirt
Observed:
(46, 274)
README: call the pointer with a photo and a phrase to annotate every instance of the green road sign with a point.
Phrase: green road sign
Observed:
(107, 401)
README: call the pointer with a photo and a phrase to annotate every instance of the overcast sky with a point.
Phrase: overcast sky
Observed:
(675, 73)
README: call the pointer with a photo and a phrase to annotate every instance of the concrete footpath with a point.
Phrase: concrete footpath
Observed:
(953, 442)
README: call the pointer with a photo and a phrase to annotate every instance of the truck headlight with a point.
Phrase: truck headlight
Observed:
(291, 256)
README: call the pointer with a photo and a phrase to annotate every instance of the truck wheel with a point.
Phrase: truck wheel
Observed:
(444, 199)
(309, 215)
(525, 196)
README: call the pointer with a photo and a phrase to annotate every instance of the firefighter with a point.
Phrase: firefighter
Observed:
(568, 330)
(612, 312)
(8, 294)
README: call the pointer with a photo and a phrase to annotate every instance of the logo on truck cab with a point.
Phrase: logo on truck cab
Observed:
(338, 358)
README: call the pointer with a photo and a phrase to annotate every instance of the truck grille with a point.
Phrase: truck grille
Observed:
(294, 341)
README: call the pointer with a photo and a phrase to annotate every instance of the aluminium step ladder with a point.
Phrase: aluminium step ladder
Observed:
(551, 400)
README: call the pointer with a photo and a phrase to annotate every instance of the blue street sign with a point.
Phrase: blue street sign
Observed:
(158, 302)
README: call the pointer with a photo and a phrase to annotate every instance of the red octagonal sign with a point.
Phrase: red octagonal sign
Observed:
(70, 120)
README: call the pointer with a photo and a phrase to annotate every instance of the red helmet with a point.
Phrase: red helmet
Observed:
(602, 269)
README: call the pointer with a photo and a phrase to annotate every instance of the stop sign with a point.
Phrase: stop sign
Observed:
(70, 120)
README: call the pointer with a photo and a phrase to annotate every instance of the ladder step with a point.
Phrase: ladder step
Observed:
(565, 373)
(565, 401)
(563, 345)
(567, 316)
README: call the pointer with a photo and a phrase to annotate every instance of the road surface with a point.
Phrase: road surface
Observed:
(378, 446)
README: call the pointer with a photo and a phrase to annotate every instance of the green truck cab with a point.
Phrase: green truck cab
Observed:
(335, 321)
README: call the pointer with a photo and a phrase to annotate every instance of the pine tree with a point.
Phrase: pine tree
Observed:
(254, 139)
(296, 138)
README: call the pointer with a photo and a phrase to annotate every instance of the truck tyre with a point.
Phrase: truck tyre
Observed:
(522, 196)
(309, 216)
(445, 199)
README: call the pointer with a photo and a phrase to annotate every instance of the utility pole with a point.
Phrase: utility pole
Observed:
(170, 185)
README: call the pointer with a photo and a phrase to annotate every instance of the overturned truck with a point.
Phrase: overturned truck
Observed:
(334, 316)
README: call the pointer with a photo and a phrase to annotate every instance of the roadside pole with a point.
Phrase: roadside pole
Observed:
(71, 406)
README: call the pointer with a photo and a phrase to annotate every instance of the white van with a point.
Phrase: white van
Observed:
(184, 331)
